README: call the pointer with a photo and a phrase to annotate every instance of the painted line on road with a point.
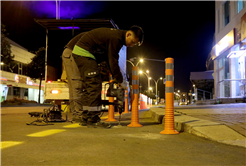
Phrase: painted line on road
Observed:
(46, 133)
(75, 125)
(6, 144)
(106, 117)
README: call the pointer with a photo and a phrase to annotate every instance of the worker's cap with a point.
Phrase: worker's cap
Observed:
(139, 33)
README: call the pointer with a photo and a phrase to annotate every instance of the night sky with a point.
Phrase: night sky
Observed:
(178, 29)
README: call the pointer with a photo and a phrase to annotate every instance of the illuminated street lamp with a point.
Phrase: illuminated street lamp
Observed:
(134, 66)
(156, 82)
(147, 75)
(140, 61)
(195, 96)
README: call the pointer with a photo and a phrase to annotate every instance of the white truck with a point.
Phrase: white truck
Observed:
(61, 32)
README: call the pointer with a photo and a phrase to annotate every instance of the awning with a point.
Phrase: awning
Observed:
(203, 80)
(76, 24)
(206, 75)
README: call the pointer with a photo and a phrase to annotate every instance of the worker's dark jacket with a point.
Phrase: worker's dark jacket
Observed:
(104, 44)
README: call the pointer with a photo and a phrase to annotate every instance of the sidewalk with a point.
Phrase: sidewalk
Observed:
(225, 123)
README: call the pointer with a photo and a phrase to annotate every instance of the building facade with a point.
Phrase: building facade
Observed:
(229, 51)
(14, 82)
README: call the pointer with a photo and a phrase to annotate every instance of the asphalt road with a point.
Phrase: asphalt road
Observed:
(70, 144)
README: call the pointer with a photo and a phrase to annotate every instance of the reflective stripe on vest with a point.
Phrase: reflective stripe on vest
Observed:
(82, 52)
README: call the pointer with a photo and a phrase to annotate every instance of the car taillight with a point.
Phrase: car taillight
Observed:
(49, 81)
(54, 91)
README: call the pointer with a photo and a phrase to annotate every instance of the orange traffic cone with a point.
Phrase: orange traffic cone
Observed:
(111, 107)
(126, 102)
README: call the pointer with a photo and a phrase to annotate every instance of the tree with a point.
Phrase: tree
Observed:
(6, 57)
(149, 94)
(36, 68)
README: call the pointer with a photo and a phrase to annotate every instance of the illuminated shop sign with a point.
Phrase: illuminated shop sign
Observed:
(3, 79)
(20, 79)
(225, 43)
(25, 80)
(243, 28)
(28, 81)
(17, 78)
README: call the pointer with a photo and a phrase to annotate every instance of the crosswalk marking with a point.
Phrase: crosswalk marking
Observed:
(6, 144)
(46, 133)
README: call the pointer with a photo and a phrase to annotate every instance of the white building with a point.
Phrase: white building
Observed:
(229, 52)
(15, 83)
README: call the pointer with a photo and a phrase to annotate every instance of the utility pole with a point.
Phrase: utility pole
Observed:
(58, 9)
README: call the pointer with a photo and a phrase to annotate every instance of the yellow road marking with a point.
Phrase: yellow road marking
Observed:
(72, 125)
(46, 133)
(6, 144)
(106, 117)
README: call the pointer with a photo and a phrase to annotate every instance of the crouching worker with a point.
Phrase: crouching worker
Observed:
(86, 51)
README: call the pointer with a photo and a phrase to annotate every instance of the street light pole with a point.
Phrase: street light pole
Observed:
(156, 82)
(149, 78)
(130, 62)
(58, 9)
(194, 91)
(1, 63)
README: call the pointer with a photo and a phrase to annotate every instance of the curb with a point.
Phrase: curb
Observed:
(203, 128)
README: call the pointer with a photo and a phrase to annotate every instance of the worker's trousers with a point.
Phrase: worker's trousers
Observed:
(91, 83)
(85, 85)
(74, 82)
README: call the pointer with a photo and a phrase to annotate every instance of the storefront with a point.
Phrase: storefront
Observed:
(229, 63)
(19, 86)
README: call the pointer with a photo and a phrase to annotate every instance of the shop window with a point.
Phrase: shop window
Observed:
(227, 84)
(240, 5)
(226, 13)
(26, 92)
(10, 91)
(223, 73)
(16, 91)
(227, 75)
(221, 63)
(24, 69)
(218, 21)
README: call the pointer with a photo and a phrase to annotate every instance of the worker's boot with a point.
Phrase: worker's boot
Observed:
(77, 116)
(102, 125)
(94, 121)
(83, 118)
(83, 122)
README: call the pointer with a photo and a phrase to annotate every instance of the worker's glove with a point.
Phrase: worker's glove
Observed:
(115, 81)
(121, 85)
